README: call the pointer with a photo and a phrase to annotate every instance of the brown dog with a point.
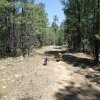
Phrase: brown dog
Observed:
(60, 57)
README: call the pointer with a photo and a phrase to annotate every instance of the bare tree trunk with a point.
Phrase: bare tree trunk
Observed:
(96, 41)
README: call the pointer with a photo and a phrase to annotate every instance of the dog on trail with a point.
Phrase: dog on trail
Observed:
(60, 57)
(45, 61)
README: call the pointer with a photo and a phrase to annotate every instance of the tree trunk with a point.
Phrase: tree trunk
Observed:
(96, 51)
(79, 27)
(96, 41)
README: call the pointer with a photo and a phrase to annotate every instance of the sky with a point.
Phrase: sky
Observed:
(53, 7)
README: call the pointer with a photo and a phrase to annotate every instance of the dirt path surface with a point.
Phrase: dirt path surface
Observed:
(28, 79)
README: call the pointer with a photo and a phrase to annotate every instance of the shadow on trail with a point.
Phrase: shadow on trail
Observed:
(73, 60)
(77, 93)
(79, 62)
(60, 47)
(55, 52)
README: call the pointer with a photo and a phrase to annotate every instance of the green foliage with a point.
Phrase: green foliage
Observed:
(82, 25)
(97, 36)
(58, 31)
(23, 25)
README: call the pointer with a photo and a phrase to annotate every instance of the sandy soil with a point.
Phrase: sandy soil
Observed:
(28, 79)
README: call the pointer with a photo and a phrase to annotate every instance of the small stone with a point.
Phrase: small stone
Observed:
(2, 68)
(39, 96)
(30, 80)
(13, 80)
(5, 96)
(3, 87)
(17, 75)
(26, 94)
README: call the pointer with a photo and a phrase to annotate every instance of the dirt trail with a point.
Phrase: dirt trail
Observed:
(28, 79)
